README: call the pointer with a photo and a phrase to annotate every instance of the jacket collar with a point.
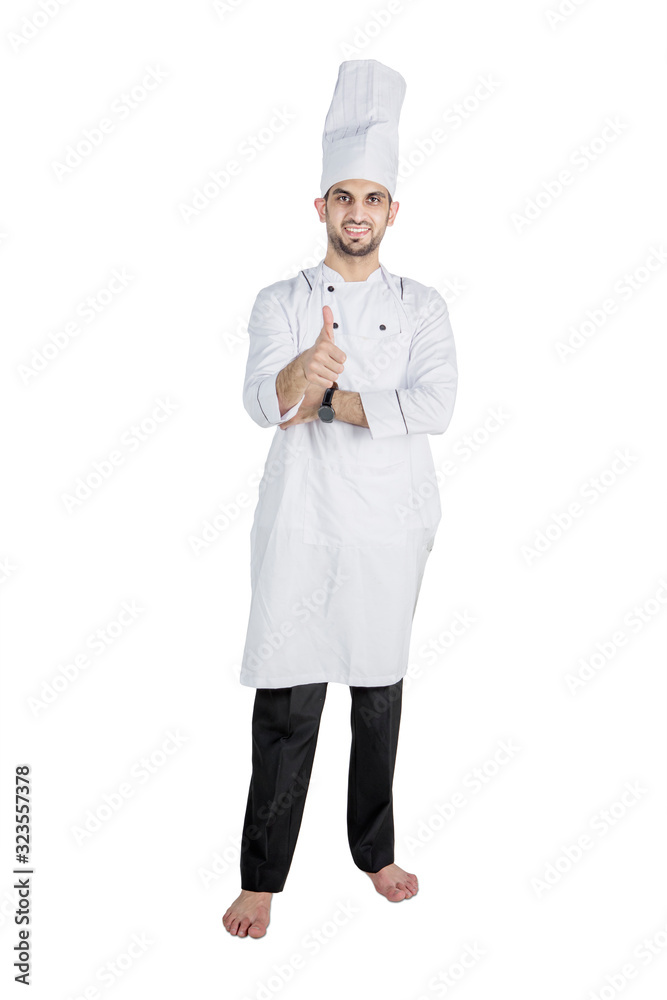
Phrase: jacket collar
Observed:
(315, 278)
(315, 275)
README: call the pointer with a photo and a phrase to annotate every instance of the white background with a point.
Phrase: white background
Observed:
(176, 332)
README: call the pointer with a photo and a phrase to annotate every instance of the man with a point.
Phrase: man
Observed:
(354, 367)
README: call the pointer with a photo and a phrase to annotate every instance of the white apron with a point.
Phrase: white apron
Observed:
(344, 523)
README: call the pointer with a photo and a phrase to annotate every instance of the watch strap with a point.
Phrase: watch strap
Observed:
(328, 394)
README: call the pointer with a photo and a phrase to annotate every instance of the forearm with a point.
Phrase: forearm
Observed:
(291, 383)
(348, 407)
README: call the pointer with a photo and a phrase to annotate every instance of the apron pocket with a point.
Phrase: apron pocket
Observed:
(355, 505)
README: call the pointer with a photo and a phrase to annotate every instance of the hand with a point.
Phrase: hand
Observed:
(309, 406)
(323, 362)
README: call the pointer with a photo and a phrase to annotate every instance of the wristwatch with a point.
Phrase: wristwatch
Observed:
(326, 411)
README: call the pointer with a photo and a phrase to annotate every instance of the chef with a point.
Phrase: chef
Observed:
(353, 367)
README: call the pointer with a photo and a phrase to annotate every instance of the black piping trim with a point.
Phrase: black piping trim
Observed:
(309, 284)
(260, 405)
(401, 288)
(401, 409)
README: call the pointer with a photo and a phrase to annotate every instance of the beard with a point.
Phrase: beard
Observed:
(349, 246)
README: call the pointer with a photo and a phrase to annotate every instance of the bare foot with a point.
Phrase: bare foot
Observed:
(248, 914)
(394, 883)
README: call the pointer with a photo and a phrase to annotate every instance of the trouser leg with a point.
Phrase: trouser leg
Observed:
(285, 726)
(375, 719)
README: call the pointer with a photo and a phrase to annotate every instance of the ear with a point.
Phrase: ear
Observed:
(321, 207)
(393, 209)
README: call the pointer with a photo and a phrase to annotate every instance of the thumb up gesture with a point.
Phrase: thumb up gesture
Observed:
(323, 362)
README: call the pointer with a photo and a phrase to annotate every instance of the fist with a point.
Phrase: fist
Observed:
(323, 362)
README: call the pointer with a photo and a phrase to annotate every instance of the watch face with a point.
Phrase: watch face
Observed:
(326, 413)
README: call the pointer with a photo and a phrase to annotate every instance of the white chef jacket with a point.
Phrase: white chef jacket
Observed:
(346, 515)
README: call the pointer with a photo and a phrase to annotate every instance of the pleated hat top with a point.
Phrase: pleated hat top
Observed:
(360, 138)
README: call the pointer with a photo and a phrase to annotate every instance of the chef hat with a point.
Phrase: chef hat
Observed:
(360, 138)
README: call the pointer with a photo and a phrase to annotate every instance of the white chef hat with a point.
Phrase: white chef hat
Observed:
(360, 138)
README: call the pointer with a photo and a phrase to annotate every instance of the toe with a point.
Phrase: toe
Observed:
(257, 930)
(243, 926)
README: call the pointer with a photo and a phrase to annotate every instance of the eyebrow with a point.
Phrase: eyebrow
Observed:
(378, 194)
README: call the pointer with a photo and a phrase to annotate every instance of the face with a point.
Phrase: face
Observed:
(356, 214)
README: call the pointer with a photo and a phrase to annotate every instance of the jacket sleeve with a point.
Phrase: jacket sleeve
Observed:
(272, 347)
(427, 404)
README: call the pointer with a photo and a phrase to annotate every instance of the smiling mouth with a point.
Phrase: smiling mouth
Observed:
(356, 231)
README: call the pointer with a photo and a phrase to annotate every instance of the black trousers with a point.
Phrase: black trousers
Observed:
(285, 726)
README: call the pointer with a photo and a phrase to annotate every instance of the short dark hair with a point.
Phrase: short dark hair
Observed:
(329, 189)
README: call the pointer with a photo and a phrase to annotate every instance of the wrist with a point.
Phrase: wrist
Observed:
(300, 374)
(337, 401)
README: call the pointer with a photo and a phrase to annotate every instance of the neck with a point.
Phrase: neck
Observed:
(352, 268)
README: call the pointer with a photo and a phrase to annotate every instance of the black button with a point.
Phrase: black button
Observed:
(335, 326)
(382, 326)
(330, 288)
